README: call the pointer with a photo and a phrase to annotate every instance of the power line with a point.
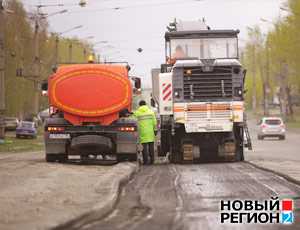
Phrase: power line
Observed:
(117, 8)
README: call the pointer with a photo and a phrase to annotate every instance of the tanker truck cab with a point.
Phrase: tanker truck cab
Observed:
(200, 94)
(90, 106)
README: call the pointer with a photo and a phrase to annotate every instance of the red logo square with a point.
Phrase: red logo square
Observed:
(287, 205)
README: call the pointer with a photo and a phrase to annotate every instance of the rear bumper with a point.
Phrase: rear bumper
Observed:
(93, 143)
(25, 133)
(208, 127)
(271, 134)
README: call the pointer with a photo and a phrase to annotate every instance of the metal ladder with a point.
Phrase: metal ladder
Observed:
(248, 138)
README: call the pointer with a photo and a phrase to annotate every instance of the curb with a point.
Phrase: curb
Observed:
(288, 178)
(99, 211)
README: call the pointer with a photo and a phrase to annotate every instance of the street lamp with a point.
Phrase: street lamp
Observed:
(266, 21)
(285, 9)
(44, 16)
(88, 37)
(100, 42)
(82, 3)
(288, 10)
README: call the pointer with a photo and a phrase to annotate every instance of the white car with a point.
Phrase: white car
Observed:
(271, 127)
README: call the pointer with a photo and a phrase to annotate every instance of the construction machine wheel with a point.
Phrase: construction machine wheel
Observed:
(176, 155)
(239, 156)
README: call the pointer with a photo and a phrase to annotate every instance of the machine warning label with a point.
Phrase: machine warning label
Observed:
(167, 92)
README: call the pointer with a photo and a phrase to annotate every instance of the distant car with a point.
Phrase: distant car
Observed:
(26, 129)
(11, 123)
(43, 115)
(271, 127)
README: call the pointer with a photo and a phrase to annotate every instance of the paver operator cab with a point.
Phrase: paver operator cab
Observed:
(199, 93)
(89, 105)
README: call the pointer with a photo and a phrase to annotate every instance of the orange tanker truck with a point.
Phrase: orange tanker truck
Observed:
(89, 107)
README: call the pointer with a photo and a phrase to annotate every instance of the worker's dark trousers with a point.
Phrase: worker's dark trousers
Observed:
(148, 151)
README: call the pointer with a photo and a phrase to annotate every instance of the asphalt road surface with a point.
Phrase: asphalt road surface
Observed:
(188, 197)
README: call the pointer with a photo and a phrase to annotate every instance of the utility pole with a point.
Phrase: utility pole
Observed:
(267, 89)
(254, 101)
(84, 54)
(70, 51)
(283, 89)
(37, 62)
(2, 71)
(56, 49)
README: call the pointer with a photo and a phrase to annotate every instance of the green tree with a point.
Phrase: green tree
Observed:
(19, 47)
(274, 62)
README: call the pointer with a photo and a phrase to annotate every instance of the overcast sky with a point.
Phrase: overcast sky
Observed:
(130, 24)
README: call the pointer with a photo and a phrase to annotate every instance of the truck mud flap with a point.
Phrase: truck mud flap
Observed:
(91, 144)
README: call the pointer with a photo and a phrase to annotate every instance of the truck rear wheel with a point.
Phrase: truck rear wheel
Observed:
(62, 158)
(126, 157)
(51, 157)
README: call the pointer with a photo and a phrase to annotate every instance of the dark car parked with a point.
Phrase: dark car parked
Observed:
(26, 129)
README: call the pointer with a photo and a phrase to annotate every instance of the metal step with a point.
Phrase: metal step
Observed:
(249, 143)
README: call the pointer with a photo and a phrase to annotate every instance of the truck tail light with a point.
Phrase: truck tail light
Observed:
(127, 129)
(56, 129)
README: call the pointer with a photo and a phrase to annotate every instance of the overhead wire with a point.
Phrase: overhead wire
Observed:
(123, 7)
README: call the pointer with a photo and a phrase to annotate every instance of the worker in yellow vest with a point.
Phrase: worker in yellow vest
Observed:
(147, 130)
